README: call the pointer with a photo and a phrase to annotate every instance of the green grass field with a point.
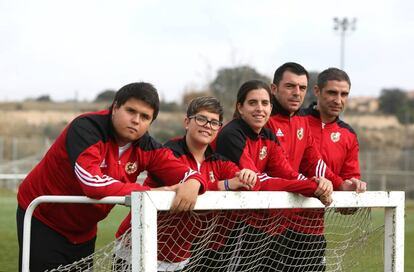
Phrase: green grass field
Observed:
(107, 228)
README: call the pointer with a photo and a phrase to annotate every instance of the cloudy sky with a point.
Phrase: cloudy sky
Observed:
(78, 48)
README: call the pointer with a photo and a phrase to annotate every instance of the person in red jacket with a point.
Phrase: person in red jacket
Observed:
(336, 140)
(290, 124)
(248, 143)
(98, 154)
(178, 232)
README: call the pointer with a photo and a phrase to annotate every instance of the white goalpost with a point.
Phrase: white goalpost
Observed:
(246, 231)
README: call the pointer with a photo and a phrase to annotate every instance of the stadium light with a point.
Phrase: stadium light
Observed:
(344, 26)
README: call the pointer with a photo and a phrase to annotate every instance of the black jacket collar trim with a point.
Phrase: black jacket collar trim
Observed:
(277, 108)
(183, 143)
(248, 130)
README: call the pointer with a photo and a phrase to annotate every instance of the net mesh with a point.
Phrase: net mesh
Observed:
(257, 240)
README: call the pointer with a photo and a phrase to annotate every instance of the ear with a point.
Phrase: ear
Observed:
(186, 122)
(239, 106)
(316, 91)
(273, 88)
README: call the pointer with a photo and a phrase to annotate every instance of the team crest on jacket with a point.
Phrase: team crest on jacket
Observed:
(263, 153)
(299, 133)
(130, 167)
(335, 136)
(211, 176)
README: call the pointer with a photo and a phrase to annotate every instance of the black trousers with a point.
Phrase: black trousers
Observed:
(49, 249)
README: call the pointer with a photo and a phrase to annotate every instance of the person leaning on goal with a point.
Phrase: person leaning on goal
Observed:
(337, 141)
(178, 232)
(98, 154)
(248, 143)
(290, 124)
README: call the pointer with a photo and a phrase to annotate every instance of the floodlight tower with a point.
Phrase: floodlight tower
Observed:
(344, 26)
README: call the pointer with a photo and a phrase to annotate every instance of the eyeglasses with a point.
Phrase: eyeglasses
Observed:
(201, 120)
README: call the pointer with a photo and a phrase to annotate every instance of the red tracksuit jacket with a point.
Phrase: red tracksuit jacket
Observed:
(263, 154)
(338, 144)
(295, 136)
(84, 161)
(178, 231)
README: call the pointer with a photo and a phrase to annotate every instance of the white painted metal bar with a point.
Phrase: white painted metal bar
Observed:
(55, 199)
(144, 215)
(278, 200)
(394, 234)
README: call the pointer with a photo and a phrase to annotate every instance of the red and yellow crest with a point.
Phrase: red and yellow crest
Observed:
(263, 153)
(130, 167)
(299, 133)
(335, 136)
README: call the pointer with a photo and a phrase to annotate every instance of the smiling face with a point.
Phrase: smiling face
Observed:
(332, 99)
(291, 91)
(201, 134)
(131, 120)
(256, 108)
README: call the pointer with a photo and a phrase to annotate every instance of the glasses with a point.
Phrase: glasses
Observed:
(202, 121)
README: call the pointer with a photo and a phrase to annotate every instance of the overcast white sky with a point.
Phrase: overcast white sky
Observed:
(64, 48)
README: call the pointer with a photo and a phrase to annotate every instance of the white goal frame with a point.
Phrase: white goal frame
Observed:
(145, 205)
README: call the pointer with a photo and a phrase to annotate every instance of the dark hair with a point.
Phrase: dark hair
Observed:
(332, 74)
(291, 67)
(208, 103)
(143, 91)
(246, 88)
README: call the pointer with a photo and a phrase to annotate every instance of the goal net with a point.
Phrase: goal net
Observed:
(249, 233)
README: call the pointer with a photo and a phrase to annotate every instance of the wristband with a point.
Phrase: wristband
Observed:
(226, 185)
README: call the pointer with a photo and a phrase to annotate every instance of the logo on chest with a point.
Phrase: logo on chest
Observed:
(300, 133)
(263, 153)
(335, 136)
(131, 168)
(279, 133)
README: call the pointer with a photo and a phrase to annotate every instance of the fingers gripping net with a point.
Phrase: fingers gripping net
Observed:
(261, 240)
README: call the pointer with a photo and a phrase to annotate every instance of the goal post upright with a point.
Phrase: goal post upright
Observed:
(144, 215)
(394, 233)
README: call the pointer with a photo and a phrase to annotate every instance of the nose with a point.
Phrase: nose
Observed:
(337, 99)
(135, 118)
(296, 90)
(259, 107)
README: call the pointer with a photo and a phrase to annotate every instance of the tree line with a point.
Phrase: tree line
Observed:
(225, 85)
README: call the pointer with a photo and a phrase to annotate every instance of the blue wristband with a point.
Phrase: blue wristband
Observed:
(226, 185)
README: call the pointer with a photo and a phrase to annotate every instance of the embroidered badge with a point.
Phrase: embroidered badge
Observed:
(131, 168)
(211, 176)
(335, 136)
(263, 153)
(299, 133)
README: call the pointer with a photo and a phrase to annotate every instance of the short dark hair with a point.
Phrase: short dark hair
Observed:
(143, 91)
(208, 103)
(293, 67)
(332, 74)
(246, 88)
